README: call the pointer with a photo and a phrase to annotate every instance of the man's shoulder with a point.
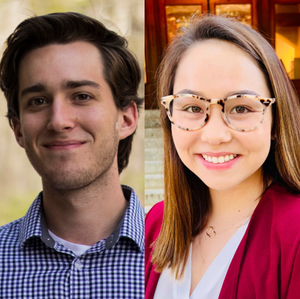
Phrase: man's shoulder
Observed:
(9, 233)
(21, 229)
(11, 226)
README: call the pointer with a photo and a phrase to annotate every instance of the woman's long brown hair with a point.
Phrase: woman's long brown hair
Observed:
(187, 201)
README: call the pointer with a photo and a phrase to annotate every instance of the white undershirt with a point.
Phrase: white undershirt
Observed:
(78, 249)
(210, 285)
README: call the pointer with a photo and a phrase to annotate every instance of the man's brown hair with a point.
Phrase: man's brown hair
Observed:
(121, 69)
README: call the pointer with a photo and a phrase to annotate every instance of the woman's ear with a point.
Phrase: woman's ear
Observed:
(18, 131)
(127, 121)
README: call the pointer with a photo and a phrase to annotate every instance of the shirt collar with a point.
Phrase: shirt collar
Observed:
(130, 226)
(31, 224)
(133, 222)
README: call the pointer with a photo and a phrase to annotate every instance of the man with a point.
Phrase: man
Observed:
(71, 90)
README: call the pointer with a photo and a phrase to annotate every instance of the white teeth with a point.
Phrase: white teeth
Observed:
(220, 159)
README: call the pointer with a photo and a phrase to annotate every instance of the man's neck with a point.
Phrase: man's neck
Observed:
(85, 215)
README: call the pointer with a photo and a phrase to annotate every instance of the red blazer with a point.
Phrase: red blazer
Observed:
(266, 264)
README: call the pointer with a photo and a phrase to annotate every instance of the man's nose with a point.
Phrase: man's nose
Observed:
(215, 130)
(61, 116)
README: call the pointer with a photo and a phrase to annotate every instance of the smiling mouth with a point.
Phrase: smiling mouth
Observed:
(63, 145)
(218, 160)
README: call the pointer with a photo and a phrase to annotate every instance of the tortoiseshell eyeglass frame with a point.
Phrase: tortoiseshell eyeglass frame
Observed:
(266, 102)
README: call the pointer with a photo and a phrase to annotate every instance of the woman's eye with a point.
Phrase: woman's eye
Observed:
(240, 110)
(83, 97)
(193, 109)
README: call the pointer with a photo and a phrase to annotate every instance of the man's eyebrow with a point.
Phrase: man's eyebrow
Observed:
(74, 84)
(34, 88)
(66, 85)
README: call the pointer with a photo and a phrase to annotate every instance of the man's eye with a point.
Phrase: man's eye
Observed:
(37, 102)
(83, 97)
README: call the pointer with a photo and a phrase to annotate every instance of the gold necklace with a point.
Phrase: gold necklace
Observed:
(211, 232)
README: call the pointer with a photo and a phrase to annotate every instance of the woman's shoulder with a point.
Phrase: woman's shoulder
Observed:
(284, 203)
(153, 223)
(279, 210)
(154, 218)
(270, 248)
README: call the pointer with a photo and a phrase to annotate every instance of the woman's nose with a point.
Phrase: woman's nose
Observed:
(215, 130)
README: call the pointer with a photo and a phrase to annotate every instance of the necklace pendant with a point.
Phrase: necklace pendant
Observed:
(210, 232)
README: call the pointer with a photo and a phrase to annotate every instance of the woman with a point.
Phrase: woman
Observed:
(230, 223)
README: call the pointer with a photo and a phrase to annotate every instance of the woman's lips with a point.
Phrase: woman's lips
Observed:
(218, 161)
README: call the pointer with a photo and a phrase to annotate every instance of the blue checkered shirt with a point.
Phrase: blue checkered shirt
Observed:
(34, 266)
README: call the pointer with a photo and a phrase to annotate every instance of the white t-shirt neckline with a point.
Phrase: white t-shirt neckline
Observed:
(77, 249)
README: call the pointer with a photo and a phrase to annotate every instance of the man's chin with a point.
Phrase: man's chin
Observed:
(72, 175)
(64, 181)
(66, 177)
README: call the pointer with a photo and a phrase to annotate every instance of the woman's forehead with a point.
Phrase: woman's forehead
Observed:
(214, 68)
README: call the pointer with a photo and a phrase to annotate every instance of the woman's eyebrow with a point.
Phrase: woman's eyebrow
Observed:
(189, 91)
(245, 91)
(231, 93)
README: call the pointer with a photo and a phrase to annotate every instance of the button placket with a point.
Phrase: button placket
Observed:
(78, 264)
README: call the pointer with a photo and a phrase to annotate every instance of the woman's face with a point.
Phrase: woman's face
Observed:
(218, 69)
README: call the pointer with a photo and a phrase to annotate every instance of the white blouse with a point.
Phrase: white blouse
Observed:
(210, 285)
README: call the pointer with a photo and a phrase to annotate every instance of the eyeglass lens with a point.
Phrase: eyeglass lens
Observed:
(242, 113)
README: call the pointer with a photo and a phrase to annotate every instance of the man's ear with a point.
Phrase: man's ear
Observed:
(17, 130)
(127, 121)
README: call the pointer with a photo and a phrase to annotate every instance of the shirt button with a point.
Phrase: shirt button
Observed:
(78, 264)
(110, 239)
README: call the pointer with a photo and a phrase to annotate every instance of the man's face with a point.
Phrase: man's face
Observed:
(69, 124)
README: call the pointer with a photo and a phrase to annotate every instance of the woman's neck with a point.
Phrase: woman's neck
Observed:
(238, 200)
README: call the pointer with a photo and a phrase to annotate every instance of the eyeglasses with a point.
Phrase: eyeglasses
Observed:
(240, 112)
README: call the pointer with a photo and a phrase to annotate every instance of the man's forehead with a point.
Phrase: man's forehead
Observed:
(81, 48)
(71, 65)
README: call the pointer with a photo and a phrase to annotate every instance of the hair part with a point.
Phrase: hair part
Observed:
(187, 201)
(121, 69)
